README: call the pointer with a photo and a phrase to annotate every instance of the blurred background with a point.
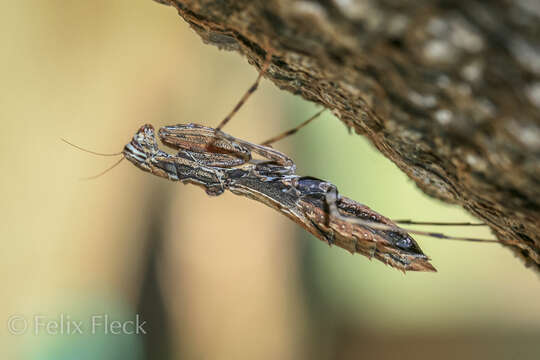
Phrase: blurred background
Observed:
(212, 278)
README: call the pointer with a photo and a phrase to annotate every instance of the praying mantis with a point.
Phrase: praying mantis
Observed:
(216, 161)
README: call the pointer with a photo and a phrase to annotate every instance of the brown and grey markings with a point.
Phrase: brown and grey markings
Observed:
(312, 203)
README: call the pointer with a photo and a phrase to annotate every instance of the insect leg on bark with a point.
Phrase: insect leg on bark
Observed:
(291, 131)
(248, 93)
(437, 223)
(332, 196)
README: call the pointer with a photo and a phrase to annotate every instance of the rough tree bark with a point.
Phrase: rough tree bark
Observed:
(448, 90)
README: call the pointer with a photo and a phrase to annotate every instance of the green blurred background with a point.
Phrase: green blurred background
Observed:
(214, 278)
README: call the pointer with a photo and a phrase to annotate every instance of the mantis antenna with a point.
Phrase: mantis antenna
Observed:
(98, 154)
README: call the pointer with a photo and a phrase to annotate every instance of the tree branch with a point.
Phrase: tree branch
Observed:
(448, 90)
